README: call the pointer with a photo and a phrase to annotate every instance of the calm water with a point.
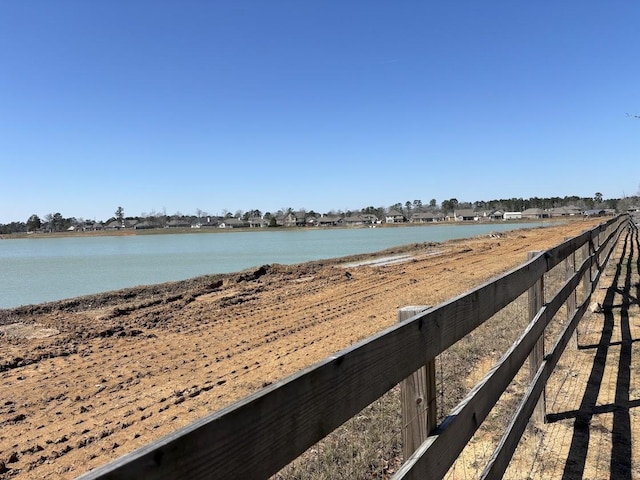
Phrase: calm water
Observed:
(36, 270)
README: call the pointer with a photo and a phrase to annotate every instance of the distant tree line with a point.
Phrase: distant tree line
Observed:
(55, 222)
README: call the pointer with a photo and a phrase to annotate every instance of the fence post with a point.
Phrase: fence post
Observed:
(596, 250)
(588, 275)
(570, 269)
(418, 397)
(536, 301)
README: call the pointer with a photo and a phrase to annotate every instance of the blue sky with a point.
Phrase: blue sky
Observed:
(239, 105)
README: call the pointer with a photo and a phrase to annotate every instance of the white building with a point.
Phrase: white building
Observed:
(512, 215)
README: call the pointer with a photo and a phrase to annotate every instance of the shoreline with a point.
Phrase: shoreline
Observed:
(184, 230)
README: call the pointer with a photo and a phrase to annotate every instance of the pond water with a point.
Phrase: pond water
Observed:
(36, 270)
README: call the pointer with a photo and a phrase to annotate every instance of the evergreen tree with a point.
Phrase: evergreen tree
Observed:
(34, 223)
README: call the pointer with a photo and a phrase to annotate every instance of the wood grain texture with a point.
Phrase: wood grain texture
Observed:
(417, 391)
(536, 301)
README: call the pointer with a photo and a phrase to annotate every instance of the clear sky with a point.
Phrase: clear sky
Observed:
(240, 105)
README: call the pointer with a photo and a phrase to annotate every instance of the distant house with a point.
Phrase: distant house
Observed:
(596, 212)
(425, 218)
(209, 222)
(600, 212)
(295, 219)
(114, 225)
(90, 225)
(486, 216)
(329, 221)
(395, 216)
(362, 219)
(573, 210)
(370, 218)
(558, 212)
(257, 222)
(534, 213)
(569, 211)
(145, 225)
(178, 223)
(354, 220)
(512, 216)
(290, 220)
(496, 215)
(465, 215)
(233, 223)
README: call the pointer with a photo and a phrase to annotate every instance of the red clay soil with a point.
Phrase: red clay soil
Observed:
(89, 379)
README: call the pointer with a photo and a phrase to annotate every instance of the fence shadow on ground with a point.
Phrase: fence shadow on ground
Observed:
(621, 455)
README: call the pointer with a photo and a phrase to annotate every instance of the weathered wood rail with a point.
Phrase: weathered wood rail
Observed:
(257, 436)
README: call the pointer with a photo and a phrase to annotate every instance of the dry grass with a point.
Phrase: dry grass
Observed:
(367, 446)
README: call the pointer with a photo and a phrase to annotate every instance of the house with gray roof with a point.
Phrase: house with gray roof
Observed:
(361, 219)
(178, 223)
(394, 216)
(423, 217)
(354, 220)
(329, 221)
(145, 225)
(465, 215)
(568, 211)
(233, 223)
(209, 222)
(535, 213)
(594, 212)
(257, 222)
(496, 215)
(370, 218)
(295, 219)
(114, 225)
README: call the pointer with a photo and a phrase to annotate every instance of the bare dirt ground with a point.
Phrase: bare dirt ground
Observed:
(89, 379)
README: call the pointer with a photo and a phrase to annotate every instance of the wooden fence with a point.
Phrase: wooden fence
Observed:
(257, 436)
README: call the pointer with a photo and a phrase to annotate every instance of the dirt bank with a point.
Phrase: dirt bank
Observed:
(89, 379)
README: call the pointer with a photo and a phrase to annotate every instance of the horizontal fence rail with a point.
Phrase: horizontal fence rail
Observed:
(257, 436)
(438, 453)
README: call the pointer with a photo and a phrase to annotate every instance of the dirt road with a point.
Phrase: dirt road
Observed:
(87, 380)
